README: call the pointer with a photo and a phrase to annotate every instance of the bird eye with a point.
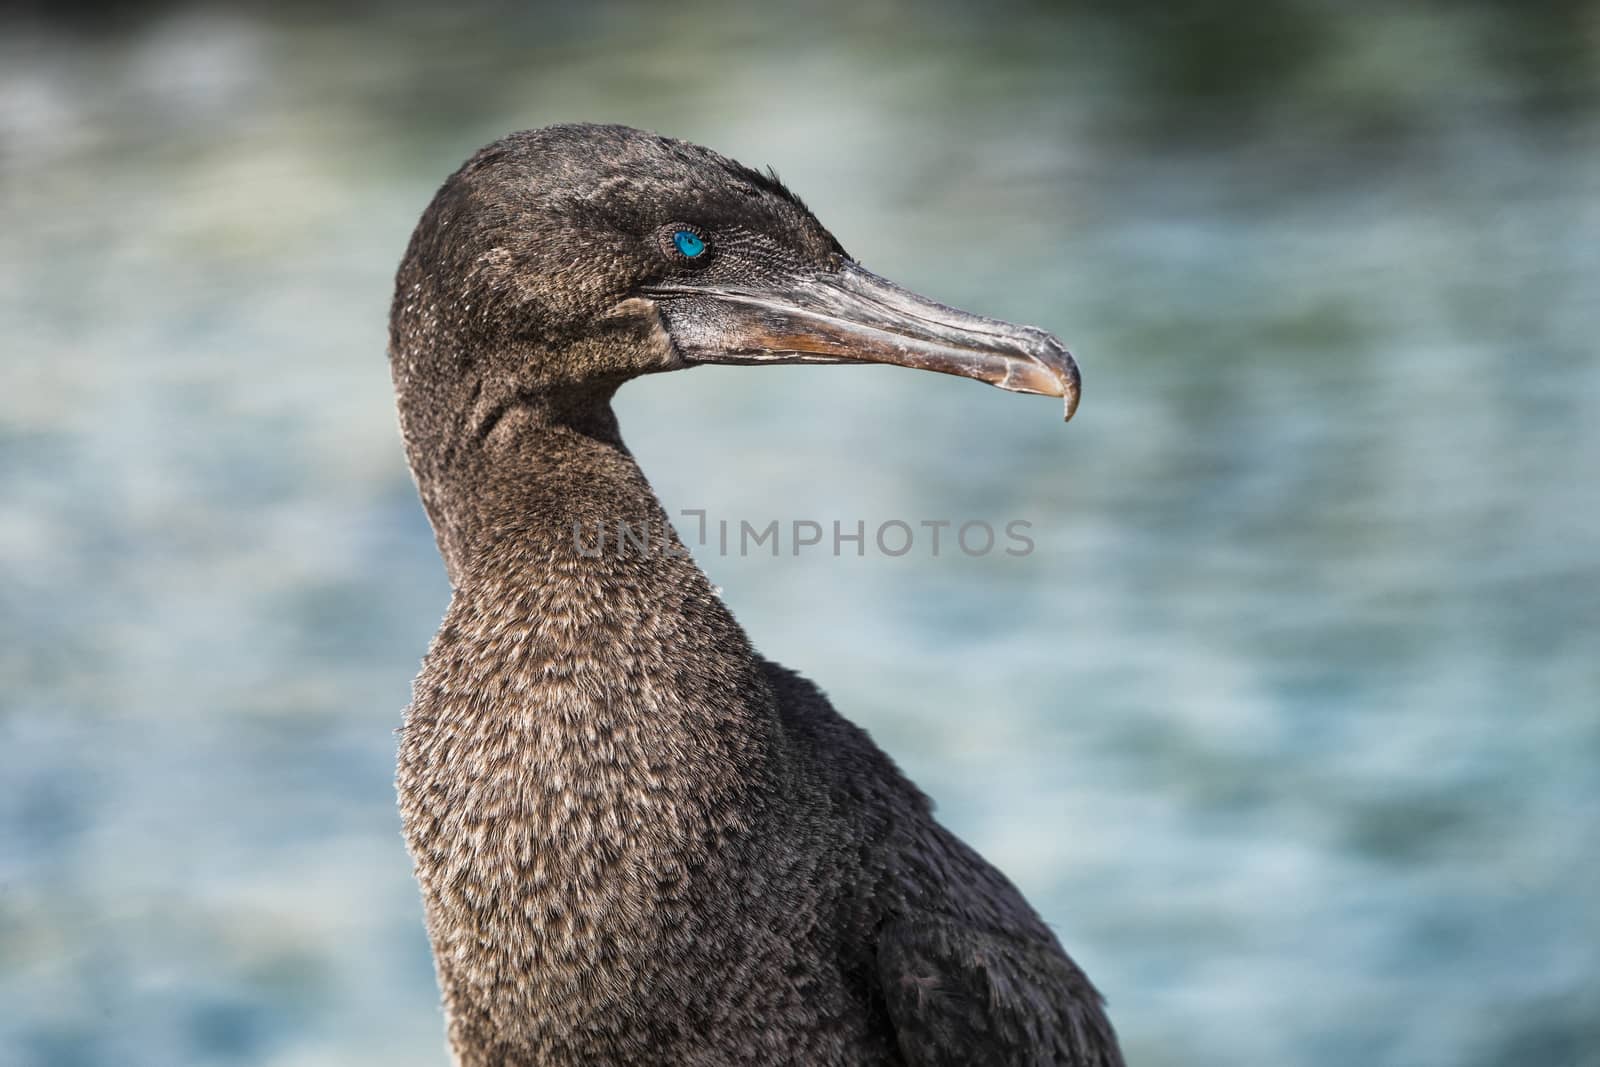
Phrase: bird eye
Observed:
(689, 243)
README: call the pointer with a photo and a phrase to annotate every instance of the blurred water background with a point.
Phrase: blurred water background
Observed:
(1291, 723)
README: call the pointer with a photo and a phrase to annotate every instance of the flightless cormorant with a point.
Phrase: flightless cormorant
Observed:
(638, 840)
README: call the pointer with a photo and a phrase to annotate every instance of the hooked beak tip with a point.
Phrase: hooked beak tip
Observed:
(1071, 385)
(1070, 393)
(1051, 370)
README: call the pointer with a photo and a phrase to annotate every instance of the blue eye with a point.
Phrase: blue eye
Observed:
(689, 243)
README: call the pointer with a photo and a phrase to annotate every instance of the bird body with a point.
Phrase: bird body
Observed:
(638, 840)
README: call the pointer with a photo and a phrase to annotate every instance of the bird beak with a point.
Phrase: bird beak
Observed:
(853, 316)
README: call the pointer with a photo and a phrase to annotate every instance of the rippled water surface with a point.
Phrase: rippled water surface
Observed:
(1290, 724)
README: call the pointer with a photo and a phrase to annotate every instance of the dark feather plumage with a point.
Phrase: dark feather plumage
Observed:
(639, 841)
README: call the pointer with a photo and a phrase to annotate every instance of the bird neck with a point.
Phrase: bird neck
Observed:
(587, 728)
(560, 551)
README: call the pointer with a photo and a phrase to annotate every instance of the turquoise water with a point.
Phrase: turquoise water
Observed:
(1290, 724)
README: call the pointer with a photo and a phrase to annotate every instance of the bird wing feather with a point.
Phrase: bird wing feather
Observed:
(959, 996)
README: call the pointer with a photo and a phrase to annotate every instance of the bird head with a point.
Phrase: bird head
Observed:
(575, 257)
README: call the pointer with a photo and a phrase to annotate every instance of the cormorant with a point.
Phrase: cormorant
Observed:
(638, 840)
